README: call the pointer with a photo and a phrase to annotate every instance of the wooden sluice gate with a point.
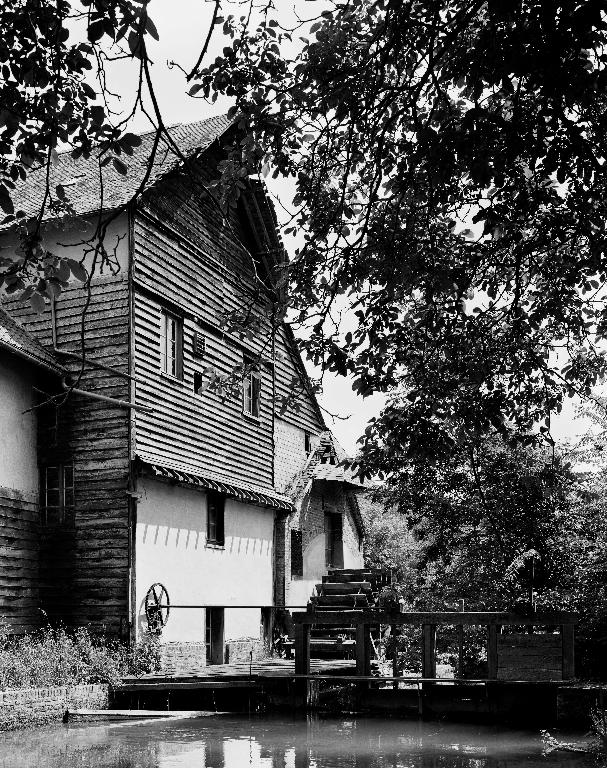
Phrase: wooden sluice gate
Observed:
(529, 668)
(526, 669)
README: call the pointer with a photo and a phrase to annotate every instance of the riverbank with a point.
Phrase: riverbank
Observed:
(42, 674)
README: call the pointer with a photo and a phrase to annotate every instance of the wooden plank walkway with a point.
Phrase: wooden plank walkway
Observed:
(232, 675)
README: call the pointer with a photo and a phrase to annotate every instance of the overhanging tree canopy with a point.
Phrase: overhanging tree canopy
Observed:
(449, 159)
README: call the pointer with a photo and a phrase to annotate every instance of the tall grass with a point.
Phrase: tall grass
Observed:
(52, 657)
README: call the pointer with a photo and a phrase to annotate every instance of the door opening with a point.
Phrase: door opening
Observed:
(213, 635)
(334, 548)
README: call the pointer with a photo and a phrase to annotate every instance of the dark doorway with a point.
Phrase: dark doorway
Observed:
(334, 548)
(213, 634)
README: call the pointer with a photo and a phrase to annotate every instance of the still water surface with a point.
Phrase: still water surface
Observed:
(239, 742)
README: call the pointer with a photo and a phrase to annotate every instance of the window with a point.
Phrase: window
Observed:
(215, 516)
(171, 345)
(57, 495)
(251, 390)
(307, 443)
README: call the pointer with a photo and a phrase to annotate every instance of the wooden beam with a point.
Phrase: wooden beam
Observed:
(568, 641)
(480, 618)
(492, 660)
(429, 650)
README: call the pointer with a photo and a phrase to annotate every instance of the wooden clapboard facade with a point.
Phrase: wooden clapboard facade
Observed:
(84, 554)
(145, 445)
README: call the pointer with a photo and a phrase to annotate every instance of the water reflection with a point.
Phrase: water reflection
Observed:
(232, 742)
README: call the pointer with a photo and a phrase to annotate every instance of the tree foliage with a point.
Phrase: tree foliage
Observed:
(449, 162)
(511, 529)
(449, 165)
(54, 96)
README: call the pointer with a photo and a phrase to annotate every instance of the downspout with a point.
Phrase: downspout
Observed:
(105, 398)
(83, 392)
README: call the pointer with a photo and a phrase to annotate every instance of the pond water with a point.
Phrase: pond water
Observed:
(228, 741)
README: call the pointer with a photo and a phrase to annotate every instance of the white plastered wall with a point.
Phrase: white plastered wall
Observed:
(18, 460)
(171, 549)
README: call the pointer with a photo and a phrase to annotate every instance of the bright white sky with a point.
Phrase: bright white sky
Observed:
(182, 26)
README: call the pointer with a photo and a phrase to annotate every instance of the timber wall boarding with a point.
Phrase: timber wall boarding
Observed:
(179, 258)
(84, 555)
(189, 263)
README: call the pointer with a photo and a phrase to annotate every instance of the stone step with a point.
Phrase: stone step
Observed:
(343, 588)
(346, 578)
(342, 601)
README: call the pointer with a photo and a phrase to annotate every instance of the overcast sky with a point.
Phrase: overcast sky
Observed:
(182, 26)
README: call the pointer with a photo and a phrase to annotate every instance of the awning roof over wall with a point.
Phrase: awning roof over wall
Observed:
(181, 477)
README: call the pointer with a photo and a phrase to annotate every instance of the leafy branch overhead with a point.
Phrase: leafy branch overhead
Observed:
(53, 98)
(450, 186)
(449, 162)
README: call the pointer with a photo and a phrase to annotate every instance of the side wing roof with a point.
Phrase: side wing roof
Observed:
(14, 338)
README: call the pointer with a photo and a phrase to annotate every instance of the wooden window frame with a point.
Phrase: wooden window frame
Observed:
(216, 519)
(251, 391)
(171, 335)
(57, 509)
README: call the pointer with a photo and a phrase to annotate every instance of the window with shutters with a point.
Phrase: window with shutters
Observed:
(251, 390)
(215, 519)
(57, 495)
(171, 345)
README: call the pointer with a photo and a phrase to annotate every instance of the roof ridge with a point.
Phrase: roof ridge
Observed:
(149, 132)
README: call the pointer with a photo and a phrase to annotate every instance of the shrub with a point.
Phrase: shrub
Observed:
(54, 657)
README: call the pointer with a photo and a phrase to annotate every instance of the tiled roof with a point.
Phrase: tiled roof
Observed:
(201, 478)
(80, 178)
(338, 473)
(17, 340)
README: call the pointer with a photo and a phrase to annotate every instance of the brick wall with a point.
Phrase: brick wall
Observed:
(175, 656)
(289, 453)
(241, 650)
(34, 706)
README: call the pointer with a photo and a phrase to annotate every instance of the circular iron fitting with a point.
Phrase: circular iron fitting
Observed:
(157, 607)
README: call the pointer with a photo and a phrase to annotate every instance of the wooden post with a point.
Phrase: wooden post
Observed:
(460, 645)
(429, 650)
(568, 641)
(492, 660)
(460, 651)
(363, 650)
(395, 671)
(302, 649)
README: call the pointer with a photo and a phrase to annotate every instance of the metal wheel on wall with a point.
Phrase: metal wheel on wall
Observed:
(157, 607)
